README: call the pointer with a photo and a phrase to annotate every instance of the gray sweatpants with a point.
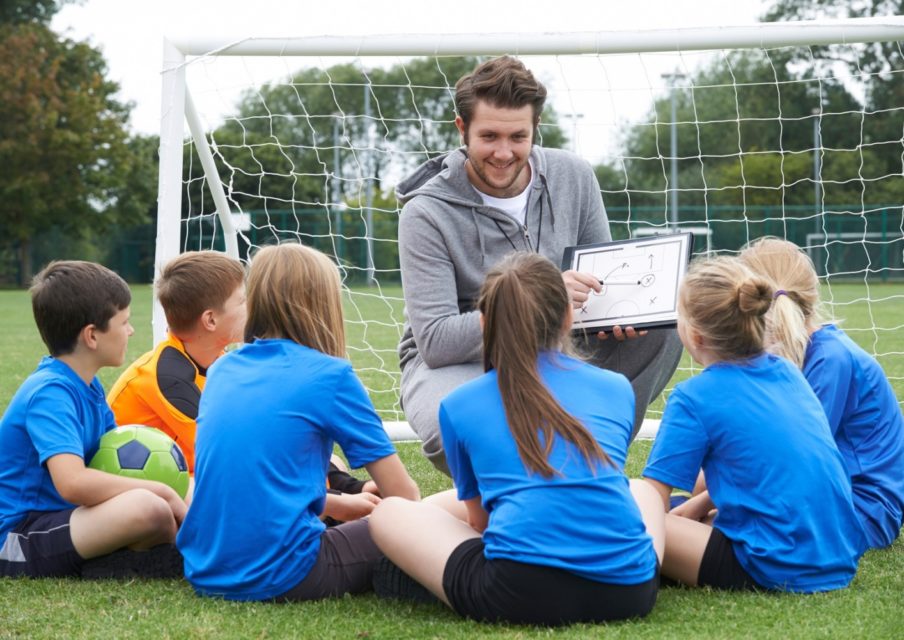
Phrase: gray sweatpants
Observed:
(648, 362)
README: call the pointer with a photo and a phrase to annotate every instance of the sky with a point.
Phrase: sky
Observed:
(131, 33)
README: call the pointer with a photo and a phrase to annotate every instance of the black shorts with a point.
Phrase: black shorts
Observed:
(508, 591)
(344, 564)
(720, 568)
(40, 547)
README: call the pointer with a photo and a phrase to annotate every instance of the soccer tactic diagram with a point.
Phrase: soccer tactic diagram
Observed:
(785, 129)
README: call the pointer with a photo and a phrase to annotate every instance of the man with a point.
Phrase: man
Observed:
(467, 209)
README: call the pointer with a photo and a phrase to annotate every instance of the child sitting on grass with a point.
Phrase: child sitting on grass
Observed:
(554, 533)
(269, 416)
(859, 402)
(56, 513)
(203, 297)
(785, 517)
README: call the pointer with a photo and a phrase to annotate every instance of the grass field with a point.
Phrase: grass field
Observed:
(168, 609)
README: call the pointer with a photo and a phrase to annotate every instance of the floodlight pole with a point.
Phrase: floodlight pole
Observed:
(337, 189)
(817, 167)
(672, 78)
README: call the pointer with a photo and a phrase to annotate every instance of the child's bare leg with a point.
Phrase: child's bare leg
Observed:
(448, 501)
(685, 543)
(419, 538)
(650, 504)
(137, 519)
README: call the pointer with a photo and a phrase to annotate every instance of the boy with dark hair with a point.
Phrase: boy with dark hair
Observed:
(56, 513)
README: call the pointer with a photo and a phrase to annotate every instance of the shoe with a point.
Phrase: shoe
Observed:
(162, 562)
(390, 582)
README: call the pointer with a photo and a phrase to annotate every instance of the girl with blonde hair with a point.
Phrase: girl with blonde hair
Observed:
(268, 419)
(860, 404)
(754, 426)
(536, 447)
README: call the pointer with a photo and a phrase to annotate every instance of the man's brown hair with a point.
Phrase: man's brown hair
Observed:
(502, 82)
(194, 282)
(69, 295)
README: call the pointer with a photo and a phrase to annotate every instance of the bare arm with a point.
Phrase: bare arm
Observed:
(83, 486)
(478, 517)
(664, 491)
(392, 479)
(696, 508)
(349, 506)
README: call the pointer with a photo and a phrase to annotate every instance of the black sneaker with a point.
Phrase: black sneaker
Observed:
(390, 582)
(163, 561)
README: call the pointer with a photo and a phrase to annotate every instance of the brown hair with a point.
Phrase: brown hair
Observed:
(294, 293)
(69, 295)
(797, 309)
(194, 282)
(502, 82)
(726, 303)
(524, 305)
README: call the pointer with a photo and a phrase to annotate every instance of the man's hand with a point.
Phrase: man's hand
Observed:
(628, 333)
(579, 286)
(349, 506)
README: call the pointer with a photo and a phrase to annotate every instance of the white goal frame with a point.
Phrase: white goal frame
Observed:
(178, 107)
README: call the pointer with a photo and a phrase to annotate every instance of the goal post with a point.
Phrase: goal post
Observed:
(735, 131)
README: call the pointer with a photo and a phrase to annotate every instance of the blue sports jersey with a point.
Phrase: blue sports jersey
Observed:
(53, 412)
(868, 427)
(585, 520)
(266, 425)
(772, 469)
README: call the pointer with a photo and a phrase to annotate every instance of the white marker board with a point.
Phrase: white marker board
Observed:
(639, 279)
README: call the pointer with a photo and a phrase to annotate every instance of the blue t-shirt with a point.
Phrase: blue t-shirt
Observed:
(868, 427)
(585, 520)
(772, 469)
(53, 412)
(266, 425)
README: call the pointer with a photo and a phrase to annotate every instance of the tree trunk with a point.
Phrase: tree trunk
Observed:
(25, 271)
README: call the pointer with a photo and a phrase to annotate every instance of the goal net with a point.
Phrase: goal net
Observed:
(790, 129)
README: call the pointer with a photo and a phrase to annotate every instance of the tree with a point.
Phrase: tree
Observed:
(34, 11)
(277, 153)
(875, 69)
(745, 139)
(63, 144)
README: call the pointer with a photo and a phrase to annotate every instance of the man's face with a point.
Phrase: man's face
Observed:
(498, 142)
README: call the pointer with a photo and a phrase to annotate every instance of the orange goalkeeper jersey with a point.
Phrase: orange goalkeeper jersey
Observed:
(162, 389)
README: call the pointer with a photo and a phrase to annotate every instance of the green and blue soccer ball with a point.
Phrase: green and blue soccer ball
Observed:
(136, 451)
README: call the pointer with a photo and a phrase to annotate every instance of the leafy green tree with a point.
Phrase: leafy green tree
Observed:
(277, 154)
(876, 70)
(745, 138)
(63, 141)
(36, 11)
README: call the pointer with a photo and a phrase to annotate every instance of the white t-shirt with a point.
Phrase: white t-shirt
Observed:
(516, 206)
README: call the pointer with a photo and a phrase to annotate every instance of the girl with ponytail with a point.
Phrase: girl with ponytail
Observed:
(860, 404)
(776, 481)
(552, 532)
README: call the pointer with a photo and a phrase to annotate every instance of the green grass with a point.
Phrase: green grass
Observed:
(169, 609)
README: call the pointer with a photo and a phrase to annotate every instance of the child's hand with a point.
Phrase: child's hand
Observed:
(370, 487)
(697, 508)
(350, 506)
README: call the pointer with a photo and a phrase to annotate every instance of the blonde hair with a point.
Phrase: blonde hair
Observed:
(797, 307)
(524, 305)
(726, 302)
(294, 293)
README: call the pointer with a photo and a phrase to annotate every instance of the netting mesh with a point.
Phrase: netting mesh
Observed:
(805, 143)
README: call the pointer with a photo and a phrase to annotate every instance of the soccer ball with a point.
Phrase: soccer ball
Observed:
(141, 452)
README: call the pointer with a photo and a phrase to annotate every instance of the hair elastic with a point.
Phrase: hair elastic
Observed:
(780, 292)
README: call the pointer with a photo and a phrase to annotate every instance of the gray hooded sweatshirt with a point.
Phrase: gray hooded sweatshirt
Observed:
(448, 240)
